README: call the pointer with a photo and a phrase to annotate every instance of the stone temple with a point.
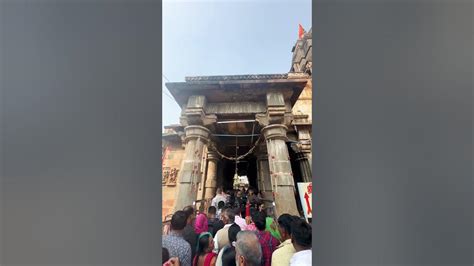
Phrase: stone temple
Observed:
(257, 126)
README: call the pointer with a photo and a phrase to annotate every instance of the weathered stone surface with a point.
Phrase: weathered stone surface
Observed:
(190, 174)
(280, 169)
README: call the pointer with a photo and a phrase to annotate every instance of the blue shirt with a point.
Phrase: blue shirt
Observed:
(178, 247)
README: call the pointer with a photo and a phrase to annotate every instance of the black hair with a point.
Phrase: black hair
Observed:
(211, 210)
(228, 257)
(221, 204)
(284, 221)
(234, 229)
(189, 210)
(165, 255)
(230, 214)
(301, 233)
(203, 245)
(260, 221)
(179, 220)
(237, 211)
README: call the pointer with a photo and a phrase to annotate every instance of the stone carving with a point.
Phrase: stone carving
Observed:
(166, 174)
(173, 177)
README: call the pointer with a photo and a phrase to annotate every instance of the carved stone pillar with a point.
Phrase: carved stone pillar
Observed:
(211, 177)
(190, 172)
(304, 136)
(263, 171)
(280, 169)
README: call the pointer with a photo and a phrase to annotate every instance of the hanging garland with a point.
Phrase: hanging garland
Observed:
(214, 148)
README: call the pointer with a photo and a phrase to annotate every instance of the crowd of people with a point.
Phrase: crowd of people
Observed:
(237, 230)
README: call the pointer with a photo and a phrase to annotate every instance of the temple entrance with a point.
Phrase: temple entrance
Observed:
(246, 167)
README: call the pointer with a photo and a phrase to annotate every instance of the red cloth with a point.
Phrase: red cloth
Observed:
(207, 260)
(300, 31)
(268, 244)
(247, 210)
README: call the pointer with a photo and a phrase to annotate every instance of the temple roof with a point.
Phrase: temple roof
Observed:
(231, 88)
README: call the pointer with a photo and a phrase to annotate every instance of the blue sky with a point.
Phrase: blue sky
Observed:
(227, 37)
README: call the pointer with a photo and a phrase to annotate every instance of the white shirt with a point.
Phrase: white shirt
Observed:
(217, 198)
(240, 222)
(216, 243)
(302, 258)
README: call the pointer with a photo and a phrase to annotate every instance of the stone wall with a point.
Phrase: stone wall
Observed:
(171, 165)
(304, 103)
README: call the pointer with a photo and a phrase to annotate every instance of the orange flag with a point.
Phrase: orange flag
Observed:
(301, 31)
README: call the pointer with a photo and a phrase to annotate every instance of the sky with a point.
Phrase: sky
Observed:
(227, 37)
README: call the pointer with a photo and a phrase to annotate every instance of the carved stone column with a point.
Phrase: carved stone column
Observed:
(280, 169)
(190, 172)
(264, 180)
(211, 177)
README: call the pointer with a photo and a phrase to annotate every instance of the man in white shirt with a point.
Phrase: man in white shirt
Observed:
(222, 236)
(301, 238)
(220, 196)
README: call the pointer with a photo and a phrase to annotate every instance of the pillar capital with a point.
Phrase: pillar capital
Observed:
(277, 131)
(194, 132)
(212, 156)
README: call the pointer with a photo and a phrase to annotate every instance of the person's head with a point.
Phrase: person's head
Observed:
(219, 191)
(301, 236)
(234, 229)
(251, 191)
(228, 257)
(228, 216)
(284, 226)
(269, 212)
(237, 211)
(220, 205)
(205, 244)
(248, 251)
(178, 221)
(189, 210)
(211, 211)
(165, 255)
(201, 226)
(261, 207)
(239, 193)
(260, 221)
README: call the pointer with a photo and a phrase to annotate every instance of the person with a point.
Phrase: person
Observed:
(172, 262)
(267, 242)
(248, 251)
(222, 237)
(270, 224)
(228, 257)
(282, 255)
(253, 198)
(220, 196)
(234, 229)
(165, 255)
(204, 255)
(251, 225)
(241, 200)
(239, 220)
(201, 226)
(189, 234)
(220, 208)
(301, 239)
(214, 223)
(174, 241)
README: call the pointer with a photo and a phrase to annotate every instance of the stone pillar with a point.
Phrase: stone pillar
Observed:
(211, 176)
(304, 136)
(280, 169)
(264, 180)
(305, 167)
(190, 171)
